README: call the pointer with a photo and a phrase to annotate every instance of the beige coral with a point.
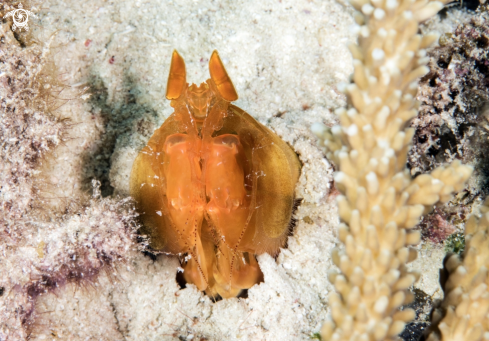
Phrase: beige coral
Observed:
(464, 312)
(380, 203)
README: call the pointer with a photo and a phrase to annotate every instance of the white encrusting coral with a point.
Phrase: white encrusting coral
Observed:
(380, 203)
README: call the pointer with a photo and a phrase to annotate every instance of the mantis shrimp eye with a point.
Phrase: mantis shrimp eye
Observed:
(214, 185)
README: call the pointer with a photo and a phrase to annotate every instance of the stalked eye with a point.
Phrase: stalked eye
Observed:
(177, 79)
(220, 77)
(227, 140)
(173, 140)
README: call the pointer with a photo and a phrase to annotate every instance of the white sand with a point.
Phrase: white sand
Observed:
(284, 59)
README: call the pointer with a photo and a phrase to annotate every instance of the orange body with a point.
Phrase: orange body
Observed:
(213, 185)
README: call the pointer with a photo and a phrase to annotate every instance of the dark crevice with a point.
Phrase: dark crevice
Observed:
(422, 303)
(121, 119)
(182, 283)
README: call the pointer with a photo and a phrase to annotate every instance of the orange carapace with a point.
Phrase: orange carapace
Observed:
(213, 185)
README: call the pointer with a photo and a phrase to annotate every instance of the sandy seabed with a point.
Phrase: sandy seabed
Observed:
(285, 59)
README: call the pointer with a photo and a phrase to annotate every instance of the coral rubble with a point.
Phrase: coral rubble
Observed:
(452, 120)
(43, 249)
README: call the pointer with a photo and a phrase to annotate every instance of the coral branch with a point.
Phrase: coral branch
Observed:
(380, 203)
(463, 314)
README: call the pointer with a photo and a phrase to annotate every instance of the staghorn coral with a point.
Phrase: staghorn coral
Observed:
(463, 314)
(380, 203)
(42, 250)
